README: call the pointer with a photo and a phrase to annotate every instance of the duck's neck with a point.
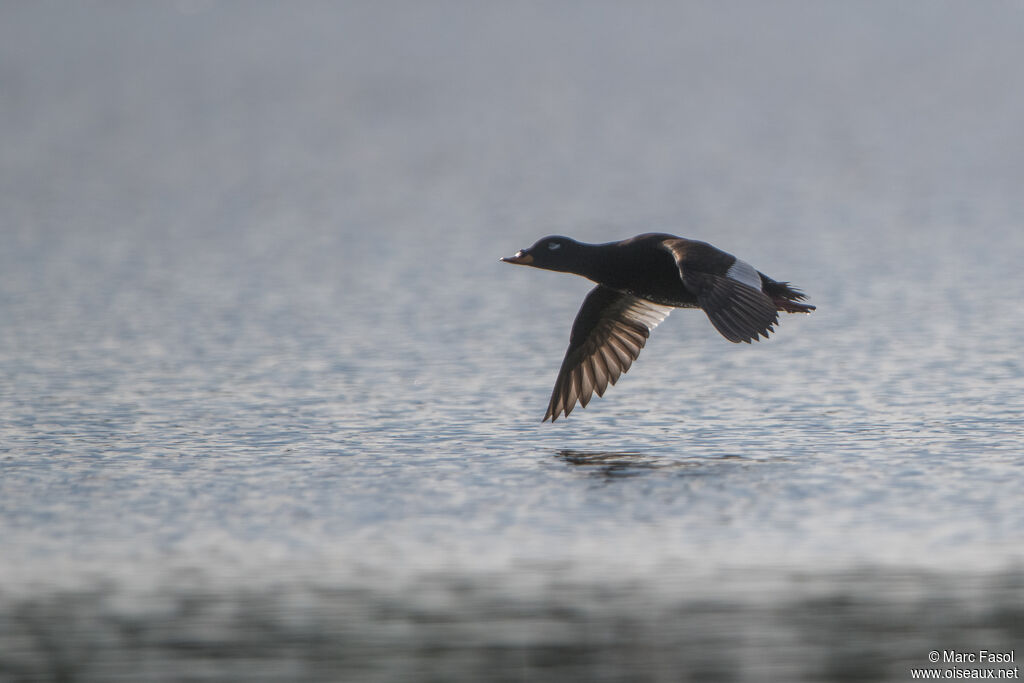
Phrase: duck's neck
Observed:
(594, 262)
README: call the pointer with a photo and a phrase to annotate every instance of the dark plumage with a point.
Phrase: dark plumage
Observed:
(639, 281)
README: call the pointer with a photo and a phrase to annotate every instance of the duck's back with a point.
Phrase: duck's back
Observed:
(645, 267)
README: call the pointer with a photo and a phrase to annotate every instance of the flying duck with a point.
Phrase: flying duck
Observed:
(639, 281)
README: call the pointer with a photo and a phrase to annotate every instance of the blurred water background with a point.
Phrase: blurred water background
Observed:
(270, 406)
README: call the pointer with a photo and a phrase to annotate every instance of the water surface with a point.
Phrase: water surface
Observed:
(270, 406)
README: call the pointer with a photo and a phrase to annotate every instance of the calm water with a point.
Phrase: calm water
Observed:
(270, 406)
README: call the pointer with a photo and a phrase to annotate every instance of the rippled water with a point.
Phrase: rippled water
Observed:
(270, 406)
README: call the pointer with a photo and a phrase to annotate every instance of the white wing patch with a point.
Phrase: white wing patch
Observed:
(647, 313)
(741, 271)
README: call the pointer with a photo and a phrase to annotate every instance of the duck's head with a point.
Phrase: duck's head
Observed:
(550, 253)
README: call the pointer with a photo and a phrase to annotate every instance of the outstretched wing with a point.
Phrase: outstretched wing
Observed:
(606, 338)
(728, 289)
(737, 310)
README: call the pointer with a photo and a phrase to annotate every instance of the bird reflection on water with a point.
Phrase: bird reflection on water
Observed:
(622, 464)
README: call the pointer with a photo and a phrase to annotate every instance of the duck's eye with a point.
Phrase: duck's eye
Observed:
(554, 245)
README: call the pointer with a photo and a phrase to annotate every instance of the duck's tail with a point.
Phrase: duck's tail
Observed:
(786, 298)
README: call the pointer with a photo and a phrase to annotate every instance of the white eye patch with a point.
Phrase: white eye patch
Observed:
(554, 245)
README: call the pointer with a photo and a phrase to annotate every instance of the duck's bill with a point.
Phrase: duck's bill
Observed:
(521, 258)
